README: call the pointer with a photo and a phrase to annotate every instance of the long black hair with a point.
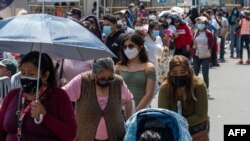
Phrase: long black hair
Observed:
(46, 65)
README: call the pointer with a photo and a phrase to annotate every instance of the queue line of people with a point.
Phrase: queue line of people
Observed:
(98, 87)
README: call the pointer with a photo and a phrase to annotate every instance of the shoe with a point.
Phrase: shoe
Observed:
(222, 60)
(248, 61)
(238, 56)
(240, 62)
(216, 65)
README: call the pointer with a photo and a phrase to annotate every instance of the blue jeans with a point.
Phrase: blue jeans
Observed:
(234, 41)
(197, 63)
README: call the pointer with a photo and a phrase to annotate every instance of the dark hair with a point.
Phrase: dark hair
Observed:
(194, 14)
(110, 18)
(46, 65)
(150, 135)
(136, 39)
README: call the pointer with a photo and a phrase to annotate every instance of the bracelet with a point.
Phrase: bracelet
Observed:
(40, 119)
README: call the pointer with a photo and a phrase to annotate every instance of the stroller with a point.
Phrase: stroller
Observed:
(168, 124)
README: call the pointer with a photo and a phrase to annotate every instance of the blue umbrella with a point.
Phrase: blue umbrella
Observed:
(57, 36)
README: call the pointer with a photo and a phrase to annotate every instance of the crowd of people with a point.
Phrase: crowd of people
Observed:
(156, 55)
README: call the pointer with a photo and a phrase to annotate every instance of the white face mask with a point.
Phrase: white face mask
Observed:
(131, 53)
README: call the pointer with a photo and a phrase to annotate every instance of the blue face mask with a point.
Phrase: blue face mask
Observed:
(201, 26)
(106, 30)
(235, 12)
(156, 33)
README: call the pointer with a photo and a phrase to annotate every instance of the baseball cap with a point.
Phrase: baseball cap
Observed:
(9, 65)
(74, 11)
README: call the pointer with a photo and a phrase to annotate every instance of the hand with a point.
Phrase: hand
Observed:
(62, 82)
(176, 35)
(36, 109)
(165, 48)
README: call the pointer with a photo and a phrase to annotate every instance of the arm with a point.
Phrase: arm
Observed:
(127, 100)
(150, 86)
(3, 109)
(189, 37)
(201, 106)
(73, 88)
(163, 101)
(64, 125)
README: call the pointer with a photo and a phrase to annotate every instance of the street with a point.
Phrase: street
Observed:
(229, 96)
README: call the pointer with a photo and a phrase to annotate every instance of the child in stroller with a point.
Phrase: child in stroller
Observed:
(165, 125)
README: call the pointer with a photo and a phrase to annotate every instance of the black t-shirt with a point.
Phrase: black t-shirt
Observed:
(114, 44)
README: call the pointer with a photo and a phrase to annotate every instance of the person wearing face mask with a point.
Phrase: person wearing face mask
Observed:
(233, 22)
(154, 42)
(7, 68)
(185, 37)
(100, 95)
(136, 70)
(182, 86)
(50, 117)
(155, 47)
(224, 28)
(111, 34)
(203, 43)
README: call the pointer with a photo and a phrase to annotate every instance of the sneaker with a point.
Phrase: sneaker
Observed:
(240, 62)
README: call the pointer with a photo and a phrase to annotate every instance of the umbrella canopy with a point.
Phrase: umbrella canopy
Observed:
(163, 13)
(57, 36)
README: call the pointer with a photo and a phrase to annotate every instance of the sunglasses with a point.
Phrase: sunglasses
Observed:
(128, 46)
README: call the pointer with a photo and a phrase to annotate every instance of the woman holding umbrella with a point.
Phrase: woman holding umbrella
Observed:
(50, 118)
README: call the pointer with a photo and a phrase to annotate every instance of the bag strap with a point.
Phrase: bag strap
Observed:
(220, 24)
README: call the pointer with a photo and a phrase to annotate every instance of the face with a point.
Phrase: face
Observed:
(105, 75)
(176, 22)
(76, 16)
(156, 27)
(179, 71)
(129, 44)
(30, 70)
(108, 23)
(4, 71)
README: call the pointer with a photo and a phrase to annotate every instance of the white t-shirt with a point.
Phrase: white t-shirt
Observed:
(155, 48)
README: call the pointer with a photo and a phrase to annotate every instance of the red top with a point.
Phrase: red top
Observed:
(59, 124)
(185, 36)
